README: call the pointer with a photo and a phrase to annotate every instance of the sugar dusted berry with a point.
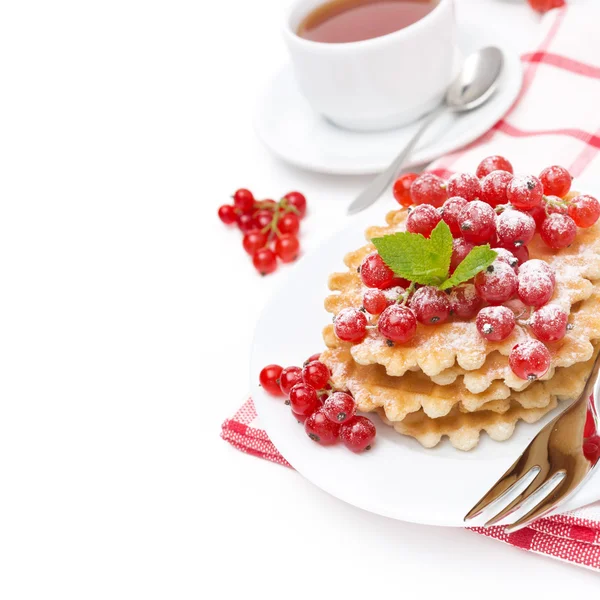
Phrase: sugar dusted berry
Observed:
(493, 163)
(397, 323)
(514, 228)
(549, 323)
(558, 231)
(227, 214)
(535, 288)
(402, 189)
(584, 210)
(464, 301)
(465, 185)
(508, 257)
(428, 189)
(430, 305)
(525, 192)
(374, 301)
(321, 430)
(556, 181)
(535, 264)
(375, 273)
(477, 222)
(350, 325)
(243, 200)
(497, 284)
(450, 212)
(495, 323)
(339, 407)
(521, 253)
(493, 187)
(358, 434)
(269, 379)
(423, 219)
(460, 251)
(539, 215)
(530, 360)
(289, 377)
(316, 374)
(304, 399)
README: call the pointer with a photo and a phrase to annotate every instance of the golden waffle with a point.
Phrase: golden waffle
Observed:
(419, 408)
(445, 352)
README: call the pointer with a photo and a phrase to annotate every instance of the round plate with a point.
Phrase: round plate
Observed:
(293, 131)
(397, 478)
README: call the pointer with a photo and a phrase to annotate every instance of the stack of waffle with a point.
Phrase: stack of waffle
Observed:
(447, 380)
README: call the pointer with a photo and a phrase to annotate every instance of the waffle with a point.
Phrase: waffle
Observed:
(421, 409)
(455, 349)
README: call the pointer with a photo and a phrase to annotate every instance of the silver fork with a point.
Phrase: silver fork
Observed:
(555, 464)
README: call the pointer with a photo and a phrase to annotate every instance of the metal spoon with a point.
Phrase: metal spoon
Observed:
(475, 84)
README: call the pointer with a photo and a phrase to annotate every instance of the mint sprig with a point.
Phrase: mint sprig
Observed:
(426, 261)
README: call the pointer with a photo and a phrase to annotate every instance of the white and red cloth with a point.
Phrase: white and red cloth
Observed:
(556, 120)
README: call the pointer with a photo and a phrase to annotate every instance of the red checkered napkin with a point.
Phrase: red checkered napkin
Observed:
(556, 120)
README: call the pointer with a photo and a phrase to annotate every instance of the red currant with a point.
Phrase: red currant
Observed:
(556, 181)
(227, 214)
(289, 377)
(539, 215)
(265, 261)
(262, 218)
(460, 250)
(591, 449)
(316, 374)
(304, 399)
(493, 163)
(374, 301)
(246, 222)
(584, 210)
(312, 357)
(525, 192)
(450, 212)
(268, 204)
(514, 228)
(269, 379)
(529, 360)
(535, 287)
(422, 219)
(497, 284)
(493, 187)
(397, 323)
(464, 301)
(430, 305)
(464, 185)
(495, 323)
(477, 222)
(543, 6)
(339, 407)
(298, 201)
(402, 189)
(287, 247)
(243, 200)
(508, 257)
(521, 254)
(549, 323)
(289, 223)
(254, 240)
(321, 430)
(428, 189)
(350, 325)
(554, 204)
(375, 273)
(558, 231)
(358, 434)
(537, 265)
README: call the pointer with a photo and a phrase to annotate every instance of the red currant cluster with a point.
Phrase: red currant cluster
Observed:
(328, 415)
(497, 208)
(544, 6)
(270, 228)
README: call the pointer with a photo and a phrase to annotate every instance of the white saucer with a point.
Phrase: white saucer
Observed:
(289, 127)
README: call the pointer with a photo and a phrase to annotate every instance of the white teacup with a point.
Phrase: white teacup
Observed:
(379, 83)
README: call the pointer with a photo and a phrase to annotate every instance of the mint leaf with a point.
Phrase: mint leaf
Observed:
(416, 258)
(480, 258)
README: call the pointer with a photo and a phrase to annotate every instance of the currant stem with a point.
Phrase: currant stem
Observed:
(403, 298)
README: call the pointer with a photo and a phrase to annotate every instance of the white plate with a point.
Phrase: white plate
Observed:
(397, 478)
(293, 131)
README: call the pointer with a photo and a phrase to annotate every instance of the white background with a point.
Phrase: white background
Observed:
(127, 317)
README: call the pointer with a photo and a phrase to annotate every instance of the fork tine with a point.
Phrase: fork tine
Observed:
(536, 485)
(515, 475)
